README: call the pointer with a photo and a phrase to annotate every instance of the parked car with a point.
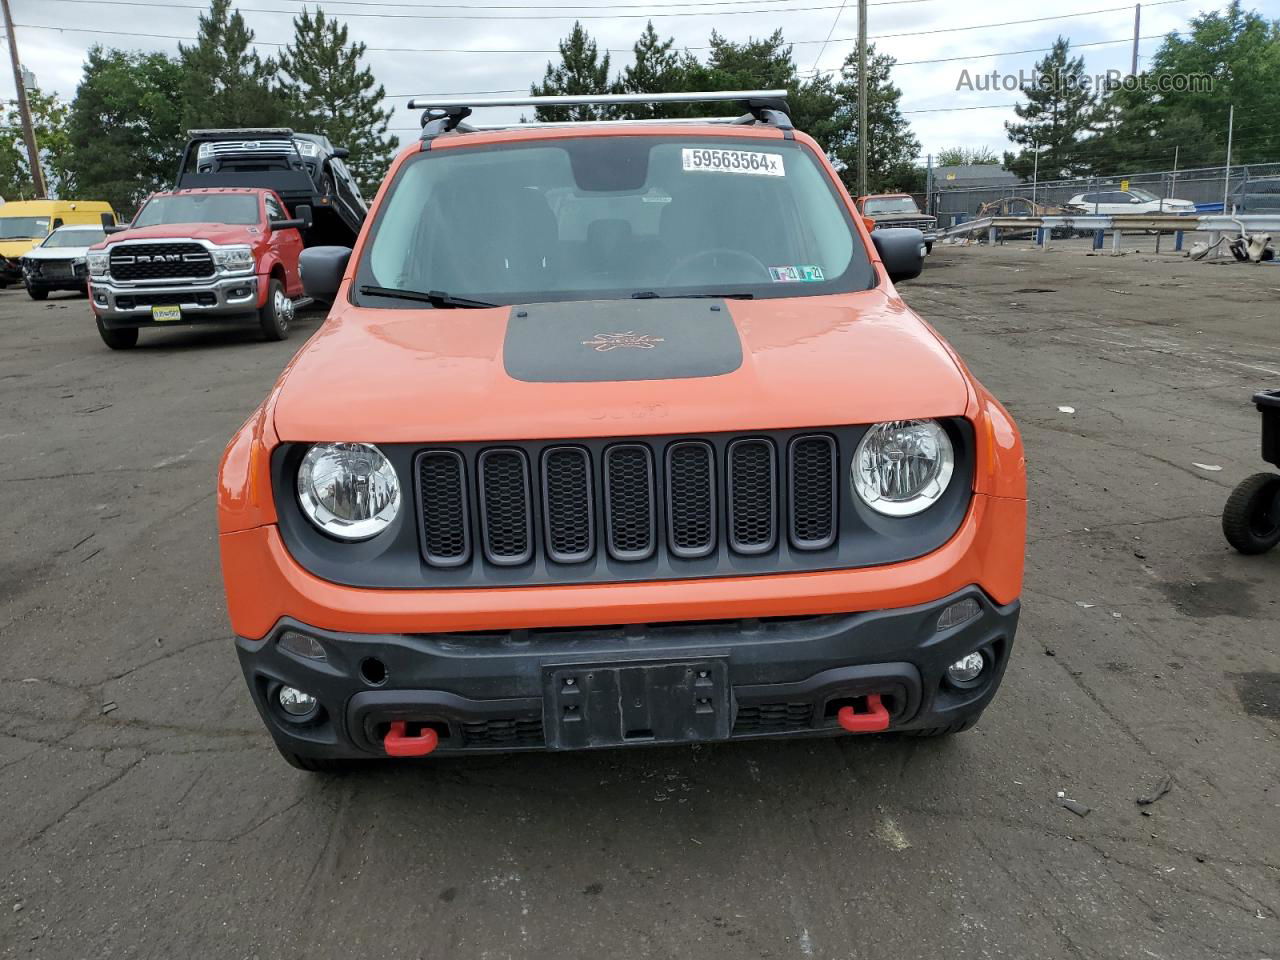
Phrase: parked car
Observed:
(58, 262)
(1261, 195)
(199, 256)
(1111, 202)
(689, 469)
(299, 167)
(25, 223)
(892, 210)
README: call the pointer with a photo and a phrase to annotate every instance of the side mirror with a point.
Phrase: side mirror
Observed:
(114, 227)
(341, 153)
(322, 269)
(901, 251)
(301, 219)
(869, 223)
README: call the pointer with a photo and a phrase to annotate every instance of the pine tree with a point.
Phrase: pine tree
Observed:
(582, 70)
(1060, 109)
(329, 92)
(123, 130)
(225, 82)
(891, 146)
(657, 68)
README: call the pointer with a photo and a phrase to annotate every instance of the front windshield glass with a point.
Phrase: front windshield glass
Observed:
(874, 205)
(240, 209)
(1144, 196)
(611, 217)
(15, 228)
(74, 238)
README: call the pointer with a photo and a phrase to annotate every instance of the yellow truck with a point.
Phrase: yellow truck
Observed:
(24, 223)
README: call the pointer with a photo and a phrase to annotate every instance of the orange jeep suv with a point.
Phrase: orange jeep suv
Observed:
(618, 433)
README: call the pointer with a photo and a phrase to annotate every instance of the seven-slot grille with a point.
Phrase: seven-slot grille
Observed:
(925, 225)
(160, 261)
(628, 501)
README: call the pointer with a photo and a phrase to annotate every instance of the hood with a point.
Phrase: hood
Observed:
(55, 253)
(610, 368)
(213, 232)
(17, 248)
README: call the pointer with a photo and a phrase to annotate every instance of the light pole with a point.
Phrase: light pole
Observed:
(862, 98)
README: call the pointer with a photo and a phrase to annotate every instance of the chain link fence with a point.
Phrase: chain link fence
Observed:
(1203, 186)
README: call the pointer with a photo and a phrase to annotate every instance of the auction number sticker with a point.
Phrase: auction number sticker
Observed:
(732, 161)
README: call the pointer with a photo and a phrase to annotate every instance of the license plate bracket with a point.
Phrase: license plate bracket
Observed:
(628, 702)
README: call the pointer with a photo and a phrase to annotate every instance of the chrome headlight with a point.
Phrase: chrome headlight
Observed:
(233, 259)
(348, 490)
(97, 264)
(903, 467)
(307, 148)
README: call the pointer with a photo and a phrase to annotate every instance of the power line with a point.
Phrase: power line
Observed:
(882, 36)
(834, 23)
(497, 6)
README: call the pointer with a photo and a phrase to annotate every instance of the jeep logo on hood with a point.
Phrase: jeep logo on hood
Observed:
(604, 342)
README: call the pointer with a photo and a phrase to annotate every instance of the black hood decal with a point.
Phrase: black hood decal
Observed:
(609, 340)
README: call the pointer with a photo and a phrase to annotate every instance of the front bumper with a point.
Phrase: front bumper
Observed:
(38, 278)
(504, 690)
(129, 305)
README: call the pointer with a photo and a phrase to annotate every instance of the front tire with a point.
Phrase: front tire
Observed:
(959, 726)
(1251, 519)
(37, 293)
(122, 339)
(323, 765)
(277, 313)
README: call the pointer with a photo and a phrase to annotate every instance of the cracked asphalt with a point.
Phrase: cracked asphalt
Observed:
(144, 813)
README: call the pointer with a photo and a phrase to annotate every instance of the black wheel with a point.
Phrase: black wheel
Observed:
(928, 246)
(121, 339)
(1251, 520)
(37, 293)
(959, 726)
(317, 764)
(277, 313)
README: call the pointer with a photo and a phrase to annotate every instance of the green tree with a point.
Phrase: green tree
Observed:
(330, 92)
(49, 118)
(123, 131)
(965, 156)
(582, 70)
(224, 81)
(891, 146)
(657, 68)
(1060, 111)
(1182, 104)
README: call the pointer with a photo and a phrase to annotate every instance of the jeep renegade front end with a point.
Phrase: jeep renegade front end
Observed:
(619, 434)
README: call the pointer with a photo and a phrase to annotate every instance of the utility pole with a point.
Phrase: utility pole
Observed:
(1035, 171)
(862, 97)
(24, 108)
(1137, 23)
(1226, 180)
(928, 184)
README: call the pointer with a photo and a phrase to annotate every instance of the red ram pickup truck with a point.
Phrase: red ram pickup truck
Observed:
(221, 255)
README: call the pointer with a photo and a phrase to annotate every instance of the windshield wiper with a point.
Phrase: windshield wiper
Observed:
(653, 295)
(437, 298)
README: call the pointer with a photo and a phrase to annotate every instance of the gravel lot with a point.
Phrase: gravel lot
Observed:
(144, 813)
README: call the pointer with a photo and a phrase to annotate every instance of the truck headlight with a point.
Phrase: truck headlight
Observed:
(903, 467)
(306, 147)
(348, 490)
(97, 264)
(233, 259)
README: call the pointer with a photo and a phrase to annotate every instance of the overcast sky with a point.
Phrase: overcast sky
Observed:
(55, 52)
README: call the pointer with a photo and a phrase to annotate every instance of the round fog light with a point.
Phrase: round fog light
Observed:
(295, 702)
(967, 669)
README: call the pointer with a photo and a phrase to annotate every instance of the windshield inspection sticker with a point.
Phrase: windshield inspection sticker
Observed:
(732, 161)
(799, 274)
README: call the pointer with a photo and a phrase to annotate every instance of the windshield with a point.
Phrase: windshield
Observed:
(74, 238)
(1144, 196)
(12, 228)
(874, 205)
(239, 209)
(611, 217)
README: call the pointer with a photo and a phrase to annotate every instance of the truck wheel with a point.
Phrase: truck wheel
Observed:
(1251, 520)
(276, 313)
(121, 339)
(928, 247)
(37, 293)
(960, 726)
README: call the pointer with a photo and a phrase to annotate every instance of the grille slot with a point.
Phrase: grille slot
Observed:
(505, 504)
(446, 520)
(766, 717)
(691, 499)
(514, 732)
(811, 482)
(160, 261)
(753, 496)
(629, 502)
(567, 504)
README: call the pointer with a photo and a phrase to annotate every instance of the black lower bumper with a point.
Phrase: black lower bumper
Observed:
(612, 686)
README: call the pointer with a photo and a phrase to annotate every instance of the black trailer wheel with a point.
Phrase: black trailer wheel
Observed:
(37, 293)
(121, 339)
(1251, 520)
(276, 313)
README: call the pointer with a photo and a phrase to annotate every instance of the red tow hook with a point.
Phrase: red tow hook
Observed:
(398, 745)
(874, 720)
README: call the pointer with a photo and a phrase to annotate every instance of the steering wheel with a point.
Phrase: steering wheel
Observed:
(753, 271)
